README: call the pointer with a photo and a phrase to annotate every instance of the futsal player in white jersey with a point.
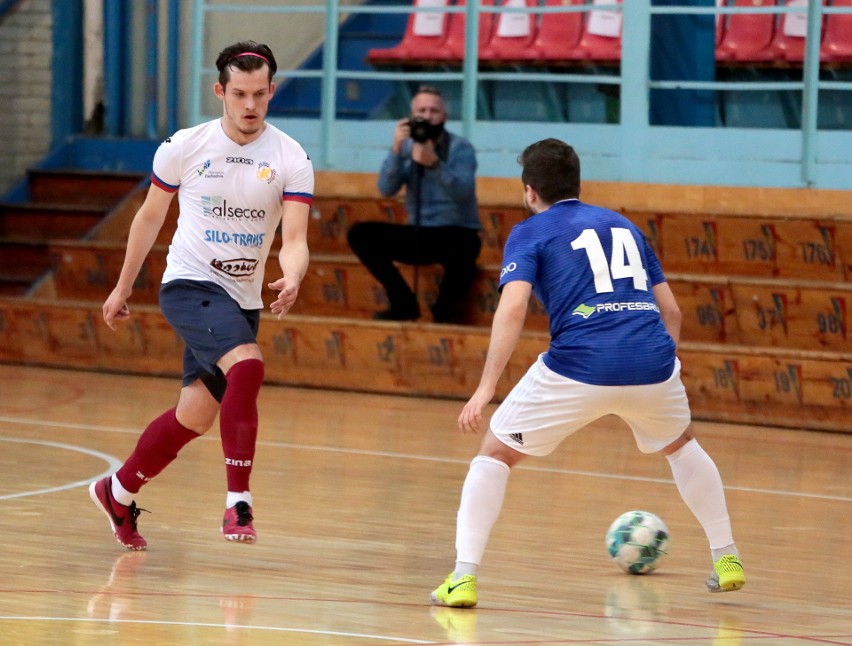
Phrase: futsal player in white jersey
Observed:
(237, 178)
(614, 327)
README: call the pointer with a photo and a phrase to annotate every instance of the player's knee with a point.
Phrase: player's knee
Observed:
(496, 450)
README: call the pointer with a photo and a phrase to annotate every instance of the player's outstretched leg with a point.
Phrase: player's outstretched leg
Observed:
(481, 501)
(238, 423)
(700, 486)
(122, 518)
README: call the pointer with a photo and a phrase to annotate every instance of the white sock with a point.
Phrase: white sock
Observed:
(463, 568)
(121, 494)
(481, 501)
(236, 496)
(720, 552)
(700, 486)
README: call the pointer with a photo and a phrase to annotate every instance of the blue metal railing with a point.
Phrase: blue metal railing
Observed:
(636, 135)
(117, 57)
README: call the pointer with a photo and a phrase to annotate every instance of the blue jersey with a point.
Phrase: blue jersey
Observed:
(593, 270)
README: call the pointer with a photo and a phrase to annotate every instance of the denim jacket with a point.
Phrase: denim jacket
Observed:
(448, 194)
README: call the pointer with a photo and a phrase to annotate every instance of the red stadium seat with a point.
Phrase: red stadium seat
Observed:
(748, 36)
(837, 40)
(558, 35)
(789, 42)
(601, 39)
(425, 34)
(453, 48)
(513, 33)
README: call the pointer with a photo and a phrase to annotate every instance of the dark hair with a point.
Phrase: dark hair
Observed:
(246, 56)
(552, 168)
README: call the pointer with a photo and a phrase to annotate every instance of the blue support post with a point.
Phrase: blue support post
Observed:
(328, 108)
(115, 21)
(196, 61)
(635, 99)
(151, 67)
(811, 94)
(470, 67)
(173, 58)
(67, 63)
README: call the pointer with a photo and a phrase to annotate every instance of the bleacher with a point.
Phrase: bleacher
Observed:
(763, 277)
(594, 36)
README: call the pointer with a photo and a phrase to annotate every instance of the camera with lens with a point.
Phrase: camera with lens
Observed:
(422, 130)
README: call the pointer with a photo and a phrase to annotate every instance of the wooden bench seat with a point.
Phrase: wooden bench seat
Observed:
(783, 246)
(74, 186)
(763, 286)
(777, 386)
(716, 309)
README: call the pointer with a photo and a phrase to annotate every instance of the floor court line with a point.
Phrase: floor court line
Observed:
(425, 458)
(745, 633)
(113, 462)
(196, 624)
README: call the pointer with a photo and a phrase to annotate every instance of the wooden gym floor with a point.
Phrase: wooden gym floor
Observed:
(355, 502)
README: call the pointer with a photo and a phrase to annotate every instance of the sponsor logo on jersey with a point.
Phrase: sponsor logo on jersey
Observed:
(583, 310)
(217, 207)
(235, 267)
(265, 172)
(631, 306)
(203, 168)
(253, 240)
(239, 160)
(512, 266)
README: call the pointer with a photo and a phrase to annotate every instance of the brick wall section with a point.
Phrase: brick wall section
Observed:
(25, 88)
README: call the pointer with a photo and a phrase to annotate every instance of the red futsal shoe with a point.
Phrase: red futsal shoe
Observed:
(236, 526)
(122, 518)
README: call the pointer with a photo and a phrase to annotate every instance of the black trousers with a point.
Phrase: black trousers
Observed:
(379, 244)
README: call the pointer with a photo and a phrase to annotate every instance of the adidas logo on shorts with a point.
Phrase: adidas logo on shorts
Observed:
(517, 437)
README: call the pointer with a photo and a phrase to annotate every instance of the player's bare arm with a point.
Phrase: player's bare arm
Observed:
(146, 225)
(669, 310)
(505, 332)
(293, 257)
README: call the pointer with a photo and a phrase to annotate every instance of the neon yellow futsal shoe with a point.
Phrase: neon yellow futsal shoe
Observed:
(728, 575)
(460, 593)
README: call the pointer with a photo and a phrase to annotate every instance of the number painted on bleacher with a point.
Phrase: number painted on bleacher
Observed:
(768, 319)
(723, 378)
(709, 316)
(626, 261)
(757, 250)
(782, 382)
(841, 388)
(829, 323)
(698, 248)
(816, 254)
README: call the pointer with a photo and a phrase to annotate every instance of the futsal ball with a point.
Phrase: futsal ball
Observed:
(637, 541)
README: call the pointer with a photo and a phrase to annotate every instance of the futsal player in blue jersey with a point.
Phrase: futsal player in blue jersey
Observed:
(614, 327)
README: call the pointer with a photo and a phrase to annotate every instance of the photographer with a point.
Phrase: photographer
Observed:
(437, 168)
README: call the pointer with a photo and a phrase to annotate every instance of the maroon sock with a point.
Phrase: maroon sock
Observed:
(157, 447)
(238, 421)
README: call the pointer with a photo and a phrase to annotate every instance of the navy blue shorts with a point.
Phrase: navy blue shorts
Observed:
(211, 323)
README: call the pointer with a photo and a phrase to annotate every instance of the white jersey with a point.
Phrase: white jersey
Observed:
(230, 201)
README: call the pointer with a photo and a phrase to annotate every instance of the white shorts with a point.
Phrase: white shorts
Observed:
(544, 408)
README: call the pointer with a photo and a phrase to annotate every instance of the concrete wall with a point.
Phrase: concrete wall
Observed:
(25, 85)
